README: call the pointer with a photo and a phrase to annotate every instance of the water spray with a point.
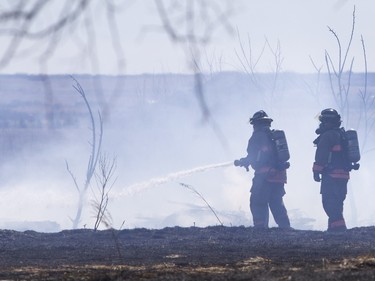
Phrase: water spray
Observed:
(140, 187)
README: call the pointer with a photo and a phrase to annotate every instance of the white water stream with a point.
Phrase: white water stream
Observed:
(142, 186)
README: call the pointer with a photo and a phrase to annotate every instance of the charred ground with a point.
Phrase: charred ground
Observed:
(212, 253)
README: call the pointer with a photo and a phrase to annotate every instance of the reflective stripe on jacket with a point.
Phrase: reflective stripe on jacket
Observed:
(261, 154)
(329, 157)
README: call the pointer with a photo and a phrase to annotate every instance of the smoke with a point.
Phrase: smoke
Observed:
(161, 143)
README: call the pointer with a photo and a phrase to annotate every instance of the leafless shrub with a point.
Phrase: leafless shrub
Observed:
(214, 63)
(340, 76)
(104, 183)
(314, 89)
(249, 63)
(96, 142)
(340, 84)
(368, 105)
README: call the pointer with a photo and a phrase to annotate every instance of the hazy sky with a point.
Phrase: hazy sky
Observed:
(299, 26)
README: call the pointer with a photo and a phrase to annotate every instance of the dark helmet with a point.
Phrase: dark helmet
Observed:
(330, 115)
(260, 117)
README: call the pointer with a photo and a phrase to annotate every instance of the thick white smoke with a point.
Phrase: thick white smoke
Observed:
(161, 141)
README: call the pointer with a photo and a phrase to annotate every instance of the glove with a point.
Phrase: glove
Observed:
(283, 166)
(317, 177)
(241, 163)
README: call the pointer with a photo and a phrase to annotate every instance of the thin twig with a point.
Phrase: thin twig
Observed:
(191, 188)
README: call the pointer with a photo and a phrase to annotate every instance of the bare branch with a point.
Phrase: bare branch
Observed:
(340, 67)
(247, 62)
(104, 185)
(278, 60)
(95, 145)
(72, 175)
(249, 66)
(350, 41)
(180, 21)
(318, 69)
(340, 90)
(20, 20)
(95, 151)
(201, 197)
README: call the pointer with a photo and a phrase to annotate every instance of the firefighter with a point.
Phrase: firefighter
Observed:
(267, 189)
(330, 168)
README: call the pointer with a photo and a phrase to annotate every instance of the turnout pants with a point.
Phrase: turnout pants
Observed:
(333, 195)
(264, 196)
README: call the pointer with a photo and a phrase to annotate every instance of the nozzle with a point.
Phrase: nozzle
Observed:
(355, 166)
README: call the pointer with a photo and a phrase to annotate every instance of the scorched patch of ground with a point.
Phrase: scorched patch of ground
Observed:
(211, 253)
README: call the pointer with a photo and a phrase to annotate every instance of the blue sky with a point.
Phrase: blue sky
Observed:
(299, 27)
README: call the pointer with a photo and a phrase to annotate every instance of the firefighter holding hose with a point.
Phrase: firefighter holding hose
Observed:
(267, 154)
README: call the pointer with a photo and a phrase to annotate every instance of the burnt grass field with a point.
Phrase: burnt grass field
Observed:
(211, 253)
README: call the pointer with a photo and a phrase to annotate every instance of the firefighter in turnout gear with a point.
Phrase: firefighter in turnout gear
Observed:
(331, 167)
(267, 189)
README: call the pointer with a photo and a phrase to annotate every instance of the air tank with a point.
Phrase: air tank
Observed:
(282, 149)
(352, 144)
